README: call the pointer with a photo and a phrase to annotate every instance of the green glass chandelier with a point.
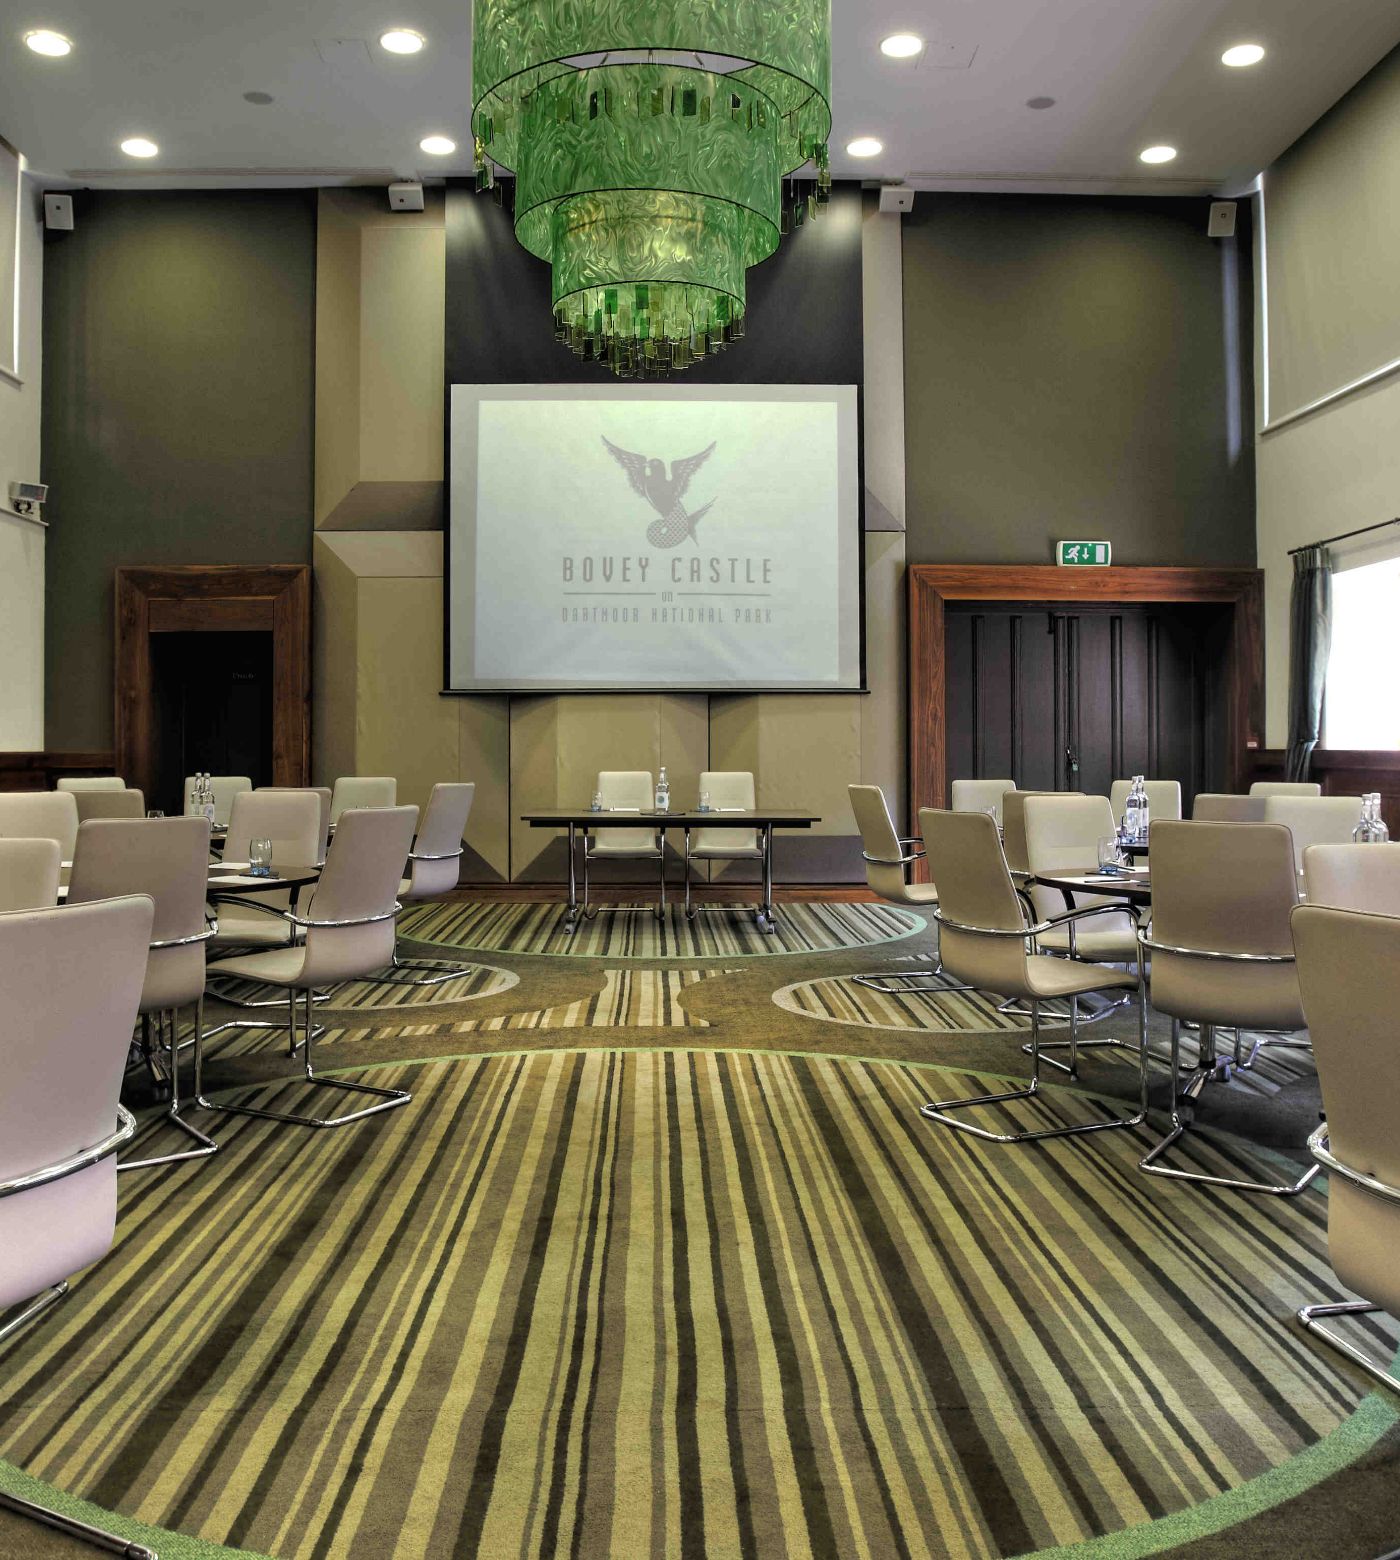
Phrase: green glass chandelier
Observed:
(650, 141)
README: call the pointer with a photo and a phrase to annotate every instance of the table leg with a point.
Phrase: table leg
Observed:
(571, 920)
(765, 919)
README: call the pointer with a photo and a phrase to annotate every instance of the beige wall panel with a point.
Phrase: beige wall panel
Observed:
(333, 660)
(402, 289)
(388, 554)
(809, 752)
(337, 351)
(483, 748)
(534, 773)
(884, 712)
(404, 727)
(684, 744)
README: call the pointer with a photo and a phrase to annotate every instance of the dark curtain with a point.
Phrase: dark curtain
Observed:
(1309, 645)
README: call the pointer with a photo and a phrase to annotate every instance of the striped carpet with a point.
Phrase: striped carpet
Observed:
(540, 929)
(840, 1000)
(482, 980)
(671, 1303)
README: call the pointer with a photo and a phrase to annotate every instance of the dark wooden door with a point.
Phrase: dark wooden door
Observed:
(1072, 696)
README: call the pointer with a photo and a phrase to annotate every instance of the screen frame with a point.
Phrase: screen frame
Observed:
(697, 391)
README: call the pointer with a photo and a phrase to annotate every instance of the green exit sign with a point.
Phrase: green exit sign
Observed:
(1083, 555)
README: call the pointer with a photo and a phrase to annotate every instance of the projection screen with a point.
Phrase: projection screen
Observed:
(613, 538)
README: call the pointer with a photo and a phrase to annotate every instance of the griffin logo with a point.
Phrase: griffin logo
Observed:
(665, 494)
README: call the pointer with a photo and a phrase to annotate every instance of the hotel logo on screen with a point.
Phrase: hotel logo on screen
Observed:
(665, 494)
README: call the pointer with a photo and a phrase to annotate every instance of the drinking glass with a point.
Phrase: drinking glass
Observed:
(260, 858)
(154, 812)
(596, 805)
(1109, 858)
(704, 801)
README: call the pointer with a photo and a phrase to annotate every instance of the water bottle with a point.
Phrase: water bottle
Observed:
(1131, 814)
(1144, 812)
(1361, 834)
(663, 792)
(206, 797)
(1380, 828)
(192, 806)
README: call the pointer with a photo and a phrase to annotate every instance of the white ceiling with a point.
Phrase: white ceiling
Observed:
(1123, 73)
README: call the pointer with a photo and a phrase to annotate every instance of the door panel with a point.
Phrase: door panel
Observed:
(1072, 697)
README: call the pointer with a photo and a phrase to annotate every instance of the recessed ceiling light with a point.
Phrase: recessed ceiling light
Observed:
(865, 146)
(55, 45)
(139, 146)
(902, 46)
(1243, 54)
(402, 40)
(1157, 154)
(438, 145)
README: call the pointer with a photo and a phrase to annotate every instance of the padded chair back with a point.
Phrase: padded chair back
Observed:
(362, 791)
(41, 815)
(1163, 798)
(1224, 888)
(166, 859)
(1063, 833)
(322, 793)
(627, 788)
(1216, 807)
(1314, 820)
(110, 804)
(28, 874)
(975, 888)
(75, 783)
(1285, 788)
(879, 840)
(291, 819)
(225, 788)
(72, 981)
(361, 878)
(979, 795)
(1353, 877)
(1349, 970)
(436, 865)
(727, 788)
(1013, 826)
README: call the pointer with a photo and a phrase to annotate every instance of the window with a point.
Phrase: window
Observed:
(1362, 708)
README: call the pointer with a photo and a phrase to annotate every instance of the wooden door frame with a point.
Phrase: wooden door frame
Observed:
(199, 598)
(933, 585)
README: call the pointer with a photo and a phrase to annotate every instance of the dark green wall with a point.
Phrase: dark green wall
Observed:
(179, 330)
(1077, 367)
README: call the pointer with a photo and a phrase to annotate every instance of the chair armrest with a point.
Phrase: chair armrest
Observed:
(447, 855)
(1319, 1146)
(892, 861)
(185, 942)
(1150, 946)
(1085, 911)
(363, 920)
(82, 1160)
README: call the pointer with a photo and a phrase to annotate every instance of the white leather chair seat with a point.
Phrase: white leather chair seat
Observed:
(597, 848)
(243, 926)
(1112, 946)
(276, 966)
(1060, 978)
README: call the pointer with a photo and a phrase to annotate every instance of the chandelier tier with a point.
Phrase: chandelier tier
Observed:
(650, 143)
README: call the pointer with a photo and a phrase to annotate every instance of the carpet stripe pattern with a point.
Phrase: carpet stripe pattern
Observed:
(540, 929)
(839, 999)
(673, 1303)
(483, 980)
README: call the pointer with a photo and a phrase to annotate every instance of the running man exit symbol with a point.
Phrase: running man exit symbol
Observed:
(1082, 555)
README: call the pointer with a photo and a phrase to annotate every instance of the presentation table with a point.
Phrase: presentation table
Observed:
(765, 820)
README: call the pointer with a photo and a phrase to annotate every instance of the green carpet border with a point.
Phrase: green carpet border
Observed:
(672, 958)
(1372, 1418)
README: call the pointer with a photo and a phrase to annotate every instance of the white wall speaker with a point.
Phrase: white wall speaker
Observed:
(405, 196)
(897, 198)
(1222, 219)
(58, 213)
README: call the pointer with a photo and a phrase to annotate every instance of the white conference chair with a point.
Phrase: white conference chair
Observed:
(225, 788)
(167, 860)
(292, 821)
(1353, 877)
(29, 873)
(727, 789)
(362, 791)
(63, 1051)
(987, 939)
(1314, 820)
(322, 793)
(349, 935)
(627, 790)
(1163, 798)
(888, 856)
(434, 867)
(126, 803)
(75, 783)
(1218, 807)
(981, 796)
(1349, 971)
(1222, 957)
(1285, 788)
(41, 815)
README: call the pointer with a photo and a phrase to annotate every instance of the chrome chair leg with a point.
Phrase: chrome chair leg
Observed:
(389, 1099)
(1208, 1067)
(938, 1110)
(1374, 1365)
(435, 976)
(99, 1538)
(881, 983)
(207, 1145)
